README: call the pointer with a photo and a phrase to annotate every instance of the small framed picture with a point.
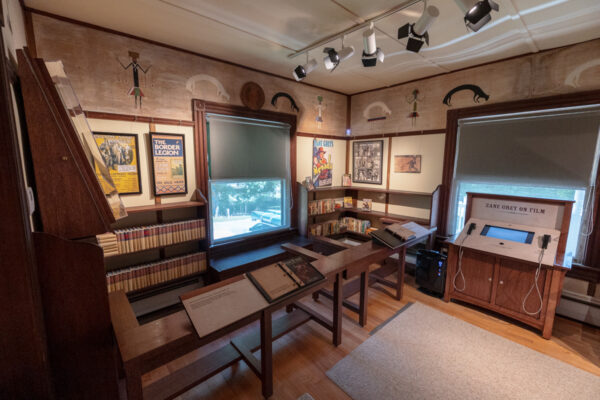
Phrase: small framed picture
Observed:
(168, 163)
(407, 164)
(367, 204)
(120, 153)
(346, 180)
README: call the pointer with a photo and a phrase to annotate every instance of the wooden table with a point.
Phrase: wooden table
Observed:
(357, 260)
(144, 348)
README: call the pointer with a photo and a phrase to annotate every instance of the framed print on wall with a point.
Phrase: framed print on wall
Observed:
(168, 163)
(408, 164)
(367, 162)
(121, 155)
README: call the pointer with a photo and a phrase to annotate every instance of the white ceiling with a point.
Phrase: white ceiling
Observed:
(262, 33)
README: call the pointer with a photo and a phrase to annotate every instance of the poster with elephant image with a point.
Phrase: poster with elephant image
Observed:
(120, 153)
(168, 163)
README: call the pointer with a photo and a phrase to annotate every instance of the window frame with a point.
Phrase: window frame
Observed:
(534, 104)
(200, 109)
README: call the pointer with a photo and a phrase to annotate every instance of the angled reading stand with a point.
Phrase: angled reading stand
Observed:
(72, 204)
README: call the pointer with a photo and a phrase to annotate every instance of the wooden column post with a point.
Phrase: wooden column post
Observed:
(337, 310)
(364, 294)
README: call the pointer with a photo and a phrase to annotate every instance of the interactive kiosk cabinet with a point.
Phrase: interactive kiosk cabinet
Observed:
(510, 257)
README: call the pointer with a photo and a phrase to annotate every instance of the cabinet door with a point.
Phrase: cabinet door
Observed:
(514, 281)
(478, 269)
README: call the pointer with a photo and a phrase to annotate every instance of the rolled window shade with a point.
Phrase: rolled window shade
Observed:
(555, 149)
(248, 148)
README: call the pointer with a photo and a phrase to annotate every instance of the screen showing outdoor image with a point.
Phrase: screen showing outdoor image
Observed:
(513, 235)
(247, 207)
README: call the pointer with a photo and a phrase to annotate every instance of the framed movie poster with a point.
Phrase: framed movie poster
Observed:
(410, 163)
(367, 162)
(322, 164)
(168, 163)
(120, 153)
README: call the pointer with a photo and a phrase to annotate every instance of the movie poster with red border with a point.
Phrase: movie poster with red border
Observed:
(322, 166)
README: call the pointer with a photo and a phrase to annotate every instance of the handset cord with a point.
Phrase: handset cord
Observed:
(459, 271)
(536, 286)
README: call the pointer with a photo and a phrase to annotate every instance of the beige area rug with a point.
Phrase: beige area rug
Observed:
(426, 354)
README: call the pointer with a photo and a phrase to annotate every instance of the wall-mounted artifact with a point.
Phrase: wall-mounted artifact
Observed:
(407, 164)
(168, 163)
(380, 115)
(478, 93)
(287, 96)
(367, 162)
(135, 90)
(413, 99)
(252, 96)
(121, 156)
(573, 77)
(191, 83)
(320, 107)
(322, 164)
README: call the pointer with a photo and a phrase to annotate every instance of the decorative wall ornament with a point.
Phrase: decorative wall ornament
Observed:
(287, 96)
(320, 108)
(252, 96)
(573, 77)
(385, 111)
(478, 93)
(135, 91)
(190, 85)
(413, 99)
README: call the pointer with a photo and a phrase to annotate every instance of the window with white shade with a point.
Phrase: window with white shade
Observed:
(549, 154)
(249, 176)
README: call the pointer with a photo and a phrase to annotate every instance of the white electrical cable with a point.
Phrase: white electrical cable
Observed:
(536, 286)
(459, 271)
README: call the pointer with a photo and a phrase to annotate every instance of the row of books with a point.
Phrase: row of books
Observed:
(316, 207)
(147, 237)
(142, 276)
(335, 226)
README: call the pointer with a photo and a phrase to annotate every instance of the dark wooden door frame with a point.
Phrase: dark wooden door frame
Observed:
(542, 103)
(24, 362)
(200, 108)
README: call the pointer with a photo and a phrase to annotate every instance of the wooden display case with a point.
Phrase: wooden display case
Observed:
(500, 283)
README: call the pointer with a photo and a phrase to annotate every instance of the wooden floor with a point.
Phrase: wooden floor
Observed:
(301, 358)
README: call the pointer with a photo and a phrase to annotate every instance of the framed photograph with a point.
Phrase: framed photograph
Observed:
(346, 180)
(367, 162)
(168, 163)
(410, 164)
(121, 156)
(367, 204)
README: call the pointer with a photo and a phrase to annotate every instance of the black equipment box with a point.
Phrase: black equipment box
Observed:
(430, 272)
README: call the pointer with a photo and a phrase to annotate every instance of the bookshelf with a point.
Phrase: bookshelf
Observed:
(159, 255)
(377, 218)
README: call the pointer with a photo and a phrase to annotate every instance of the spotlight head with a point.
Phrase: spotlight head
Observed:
(346, 52)
(371, 53)
(332, 59)
(417, 33)
(302, 70)
(477, 13)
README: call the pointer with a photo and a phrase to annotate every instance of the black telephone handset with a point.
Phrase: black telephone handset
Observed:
(545, 241)
(471, 228)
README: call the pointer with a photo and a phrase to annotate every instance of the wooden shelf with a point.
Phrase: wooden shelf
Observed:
(329, 213)
(368, 189)
(382, 214)
(154, 248)
(163, 207)
(163, 287)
